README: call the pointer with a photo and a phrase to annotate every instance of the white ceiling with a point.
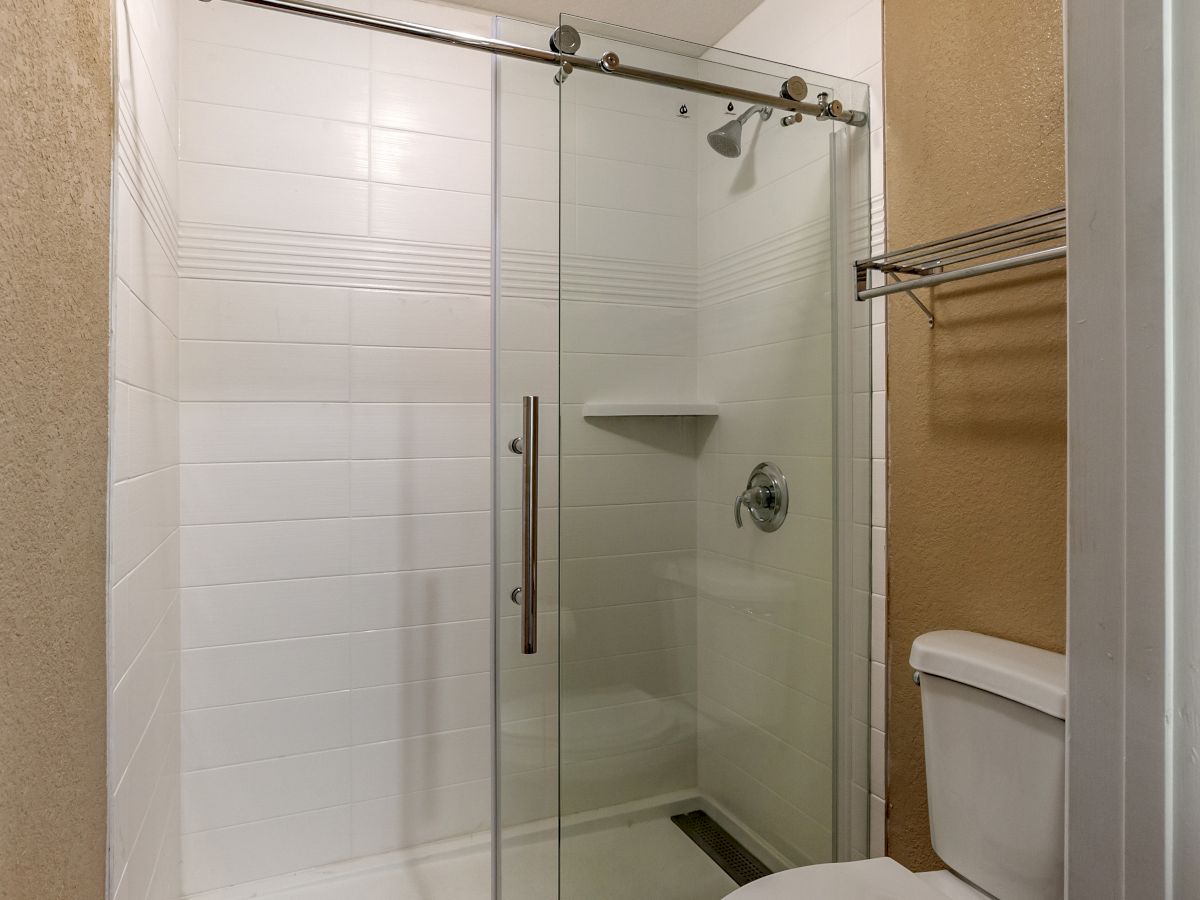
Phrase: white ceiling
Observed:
(699, 21)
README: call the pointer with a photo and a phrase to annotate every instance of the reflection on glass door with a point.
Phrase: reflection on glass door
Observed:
(526, 308)
(686, 684)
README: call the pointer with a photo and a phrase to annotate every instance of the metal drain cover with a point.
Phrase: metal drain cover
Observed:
(735, 860)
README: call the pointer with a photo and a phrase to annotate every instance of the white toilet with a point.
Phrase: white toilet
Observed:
(994, 714)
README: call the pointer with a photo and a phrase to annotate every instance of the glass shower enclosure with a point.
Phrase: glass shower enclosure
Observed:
(489, 510)
(672, 303)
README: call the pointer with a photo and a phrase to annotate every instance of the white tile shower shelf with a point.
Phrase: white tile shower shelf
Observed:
(610, 410)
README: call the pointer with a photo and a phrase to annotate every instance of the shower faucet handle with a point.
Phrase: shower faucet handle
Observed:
(756, 498)
(765, 498)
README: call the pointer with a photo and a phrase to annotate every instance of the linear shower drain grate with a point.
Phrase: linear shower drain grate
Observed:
(737, 862)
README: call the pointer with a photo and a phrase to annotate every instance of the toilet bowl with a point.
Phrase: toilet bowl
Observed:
(870, 879)
(994, 717)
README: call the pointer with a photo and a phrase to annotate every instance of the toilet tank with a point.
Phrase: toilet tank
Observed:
(995, 716)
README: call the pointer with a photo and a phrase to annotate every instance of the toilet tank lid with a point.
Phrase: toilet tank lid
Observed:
(1036, 678)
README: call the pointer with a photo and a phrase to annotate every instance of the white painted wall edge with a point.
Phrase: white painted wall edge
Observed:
(1133, 809)
(1180, 101)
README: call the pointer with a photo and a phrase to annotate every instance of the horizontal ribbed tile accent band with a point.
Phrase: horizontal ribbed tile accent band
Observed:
(259, 254)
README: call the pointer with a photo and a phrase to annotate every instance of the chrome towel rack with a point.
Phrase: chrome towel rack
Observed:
(1002, 246)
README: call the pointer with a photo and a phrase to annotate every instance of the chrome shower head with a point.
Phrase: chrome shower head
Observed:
(727, 140)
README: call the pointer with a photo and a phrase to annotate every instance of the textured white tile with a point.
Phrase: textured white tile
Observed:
(532, 225)
(669, 142)
(879, 572)
(759, 217)
(638, 188)
(596, 480)
(860, 548)
(381, 825)
(528, 324)
(635, 628)
(259, 311)
(145, 432)
(262, 492)
(408, 486)
(879, 493)
(421, 707)
(270, 33)
(252, 432)
(879, 425)
(879, 357)
(430, 216)
(430, 107)
(860, 819)
(256, 850)
(264, 611)
(399, 599)
(600, 376)
(146, 69)
(142, 798)
(226, 735)
(860, 358)
(531, 173)
(140, 601)
(256, 139)
(392, 768)
(256, 198)
(528, 121)
(418, 430)
(800, 427)
(235, 795)
(878, 629)
(861, 490)
(420, 652)
(145, 690)
(391, 375)
(145, 350)
(878, 762)
(782, 312)
(142, 262)
(404, 543)
(223, 370)
(144, 510)
(878, 843)
(419, 159)
(613, 530)
(270, 670)
(783, 370)
(425, 59)
(628, 329)
(636, 236)
(266, 551)
(412, 319)
(235, 77)
(878, 696)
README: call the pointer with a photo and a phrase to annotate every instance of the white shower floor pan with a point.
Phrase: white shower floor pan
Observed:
(620, 855)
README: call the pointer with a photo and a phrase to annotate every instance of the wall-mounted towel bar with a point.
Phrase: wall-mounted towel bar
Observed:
(953, 258)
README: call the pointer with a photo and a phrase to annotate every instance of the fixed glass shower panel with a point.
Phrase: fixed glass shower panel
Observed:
(698, 360)
(525, 448)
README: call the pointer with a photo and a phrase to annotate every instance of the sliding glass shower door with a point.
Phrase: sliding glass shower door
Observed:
(674, 330)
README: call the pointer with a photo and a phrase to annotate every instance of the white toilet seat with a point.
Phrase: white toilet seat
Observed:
(870, 879)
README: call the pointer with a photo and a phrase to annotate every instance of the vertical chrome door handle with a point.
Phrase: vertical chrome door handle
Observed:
(529, 523)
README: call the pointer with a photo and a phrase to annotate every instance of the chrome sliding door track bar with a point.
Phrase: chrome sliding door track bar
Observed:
(609, 63)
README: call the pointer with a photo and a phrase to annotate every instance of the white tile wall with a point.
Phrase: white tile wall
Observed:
(765, 688)
(144, 762)
(302, 430)
(334, 441)
(629, 497)
(850, 42)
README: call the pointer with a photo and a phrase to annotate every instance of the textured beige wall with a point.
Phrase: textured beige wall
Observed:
(977, 406)
(55, 152)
